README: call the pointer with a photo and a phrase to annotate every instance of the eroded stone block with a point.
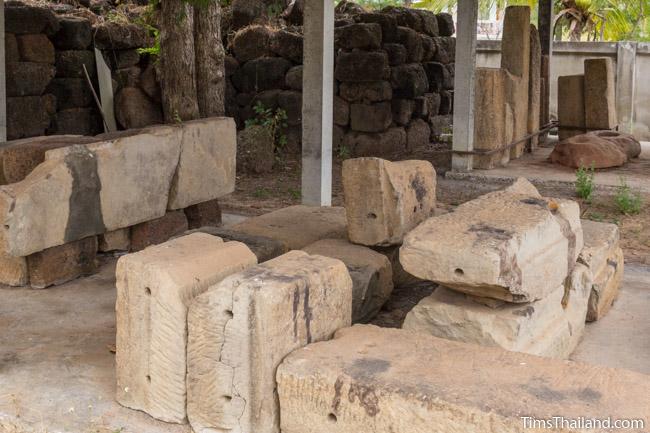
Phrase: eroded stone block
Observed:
(263, 247)
(606, 286)
(13, 270)
(372, 276)
(241, 329)
(385, 200)
(62, 263)
(297, 226)
(154, 290)
(158, 230)
(206, 168)
(600, 94)
(549, 327)
(117, 240)
(491, 127)
(600, 241)
(394, 381)
(512, 245)
(571, 106)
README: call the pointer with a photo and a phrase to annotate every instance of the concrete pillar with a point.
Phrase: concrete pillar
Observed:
(464, 84)
(317, 106)
(545, 28)
(626, 85)
(3, 75)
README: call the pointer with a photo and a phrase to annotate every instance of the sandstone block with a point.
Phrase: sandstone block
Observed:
(534, 85)
(371, 273)
(571, 106)
(600, 94)
(429, 48)
(70, 63)
(362, 66)
(341, 111)
(293, 78)
(402, 110)
(134, 109)
(371, 117)
(291, 102)
(111, 35)
(600, 242)
(154, 290)
(287, 44)
(297, 226)
(492, 117)
(512, 245)
(241, 329)
(251, 42)
(588, 150)
(71, 92)
(412, 42)
(206, 168)
(417, 135)
(401, 278)
(116, 240)
(387, 22)
(11, 49)
(445, 24)
(35, 48)
(13, 270)
(445, 49)
(158, 230)
(63, 263)
(263, 73)
(390, 380)
(256, 149)
(77, 121)
(549, 327)
(627, 143)
(606, 286)
(75, 33)
(24, 19)
(385, 200)
(396, 54)
(517, 99)
(207, 213)
(429, 22)
(264, 248)
(27, 116)
(365, 36)
(438, 76)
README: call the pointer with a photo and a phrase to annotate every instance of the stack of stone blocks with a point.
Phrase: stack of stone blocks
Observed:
(589, 99)
(227, 328)
(63, 198)
(394, 77)
(507, 104)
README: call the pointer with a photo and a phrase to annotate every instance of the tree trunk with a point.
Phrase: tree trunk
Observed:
(210, 74)
(177, 68)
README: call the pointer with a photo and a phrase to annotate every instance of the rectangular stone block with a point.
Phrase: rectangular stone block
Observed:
(241, 329)
(264, 248)
(158, 230)
(394, 381)
(207, 213)
(154, 290)
(600, 94)
(517, 99)
(62, 263)
(385, 200)
(13, 270)
(606, 286)
(371, 272)
(297, 226)
(492, 117)
(534, 86)
(549, 327)
(117, 240)
(206, 168)
(571, 106)
(512, 245)
(601, 241)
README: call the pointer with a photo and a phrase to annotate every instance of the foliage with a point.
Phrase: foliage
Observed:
(585, 183)
(628, 202)
(344, 152)
(274, 121)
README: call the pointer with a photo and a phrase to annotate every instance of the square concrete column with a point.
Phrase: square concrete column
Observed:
(464, 84)
(3, 77)
(317, 105)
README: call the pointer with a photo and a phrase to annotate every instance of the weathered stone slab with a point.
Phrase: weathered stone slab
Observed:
(600, 94)
(62, 263)
(385, 200)
(297, 226)
(515, 58)
(549, 327)
(534, 85)
(601, 241)
(588, 150)
(158, 230)
(206, 168)
(116, 240)
(571, 106)
(372, 276)
(512, 245)
(13, 270)
(492, 117)
(263, 247)
(606, 286)
(154, 290)
(241, 329)
(395, 381)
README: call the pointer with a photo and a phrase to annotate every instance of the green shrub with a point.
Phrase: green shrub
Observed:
(628, 202)
(274, 121)
(585, 183)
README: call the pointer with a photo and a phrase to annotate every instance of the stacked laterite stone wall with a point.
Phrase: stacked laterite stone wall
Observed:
(393, 73)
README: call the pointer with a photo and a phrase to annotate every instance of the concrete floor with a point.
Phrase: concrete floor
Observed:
(57, 365)
(544, 174)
